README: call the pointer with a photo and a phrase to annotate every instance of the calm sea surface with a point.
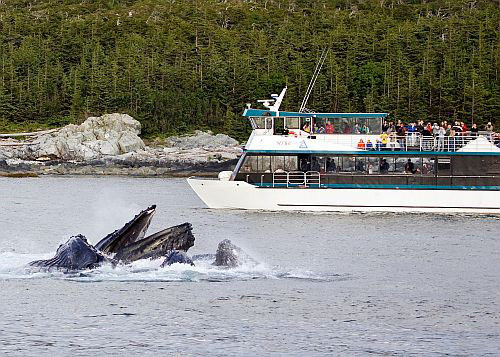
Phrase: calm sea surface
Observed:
(327, 284)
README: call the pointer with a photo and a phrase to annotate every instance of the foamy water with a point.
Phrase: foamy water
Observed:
(15, 266)
(323, 284)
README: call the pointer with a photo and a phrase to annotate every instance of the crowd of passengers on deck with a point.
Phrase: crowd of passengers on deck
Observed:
(440, 137)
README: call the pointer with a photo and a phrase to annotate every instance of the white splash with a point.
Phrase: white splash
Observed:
(13, 266)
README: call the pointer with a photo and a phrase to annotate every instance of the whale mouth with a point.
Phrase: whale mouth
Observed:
(130, 233)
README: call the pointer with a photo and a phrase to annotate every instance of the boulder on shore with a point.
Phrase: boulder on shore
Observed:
(97, 137)
(201, 139)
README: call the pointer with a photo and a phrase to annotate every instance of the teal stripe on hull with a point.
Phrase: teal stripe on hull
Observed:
(394, 187)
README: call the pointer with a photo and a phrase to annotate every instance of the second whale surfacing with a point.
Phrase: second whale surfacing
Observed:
(124, 245)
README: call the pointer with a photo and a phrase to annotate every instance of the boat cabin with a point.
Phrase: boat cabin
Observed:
(350, 150)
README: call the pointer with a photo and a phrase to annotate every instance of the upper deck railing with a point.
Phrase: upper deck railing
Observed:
(410, 141)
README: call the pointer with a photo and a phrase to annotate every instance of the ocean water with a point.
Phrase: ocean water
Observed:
(324, 284)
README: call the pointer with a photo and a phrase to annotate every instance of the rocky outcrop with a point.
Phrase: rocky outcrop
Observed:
(107, 135)
(201, 140)
(110, 145)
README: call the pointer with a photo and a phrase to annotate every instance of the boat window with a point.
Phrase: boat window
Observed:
(250, 164)
(373, 165)
(304, 121)
(408, 165)
(349, 125)
(293, 123)
(258, 122)
(291, 163)
(284, 163)
(347, 164)
(256, 164)
(320, 126)
(264, 163)
(428, 166)
(444, 166)
(279, 126)
(360, 164)
(269, 123)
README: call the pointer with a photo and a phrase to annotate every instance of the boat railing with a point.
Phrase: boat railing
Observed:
(408, 142)
(296, 179)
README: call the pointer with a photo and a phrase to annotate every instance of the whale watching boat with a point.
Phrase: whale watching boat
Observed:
(344, 162)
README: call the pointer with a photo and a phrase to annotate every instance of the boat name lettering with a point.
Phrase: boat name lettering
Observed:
(284, 142)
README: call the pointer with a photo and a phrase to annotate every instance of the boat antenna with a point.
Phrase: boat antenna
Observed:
(319, 65)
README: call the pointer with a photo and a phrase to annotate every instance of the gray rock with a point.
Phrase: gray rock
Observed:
(107, 135)
(201, 140)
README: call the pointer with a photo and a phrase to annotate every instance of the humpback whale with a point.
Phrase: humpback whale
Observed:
(124, 245)
(75, 254)
(130, 243)
(230, 255)
(177, 256)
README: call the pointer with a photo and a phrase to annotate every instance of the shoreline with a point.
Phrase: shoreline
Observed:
(110, 145)
(21, 168)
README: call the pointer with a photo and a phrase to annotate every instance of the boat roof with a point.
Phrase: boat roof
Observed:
(250, 112)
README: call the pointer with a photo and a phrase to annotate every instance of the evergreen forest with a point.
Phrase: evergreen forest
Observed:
(181, 65)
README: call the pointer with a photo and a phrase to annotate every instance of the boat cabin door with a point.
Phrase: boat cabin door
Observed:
(279, 126)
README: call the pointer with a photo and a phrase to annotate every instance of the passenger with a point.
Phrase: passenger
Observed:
(393, 143)
(465, 129)
(451, 140)
(474, 131)
(357, 129)
(365, 129)
(440, 140)
(489, 127)
(378, 144)
(361, 144)
(412, 129)
(315, 164)
(435, 129)
(360, 165)
(410, 167)
(429, 127)
(329, 128)
(320, 129)
(304, 165)
(384, 137)
(390, 129)
(420, 127)
(306, 128)
(330, 165)
(384, 166)
(401, 130)
(369, 145)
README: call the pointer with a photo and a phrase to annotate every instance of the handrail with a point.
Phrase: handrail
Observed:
(408, 142)
(296, 178)
(313, 179)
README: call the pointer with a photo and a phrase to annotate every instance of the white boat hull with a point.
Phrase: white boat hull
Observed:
(241, 195)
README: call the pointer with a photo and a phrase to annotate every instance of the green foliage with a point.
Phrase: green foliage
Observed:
(184, 65)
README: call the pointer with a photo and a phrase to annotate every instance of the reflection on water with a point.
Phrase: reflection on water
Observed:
(333, 284)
